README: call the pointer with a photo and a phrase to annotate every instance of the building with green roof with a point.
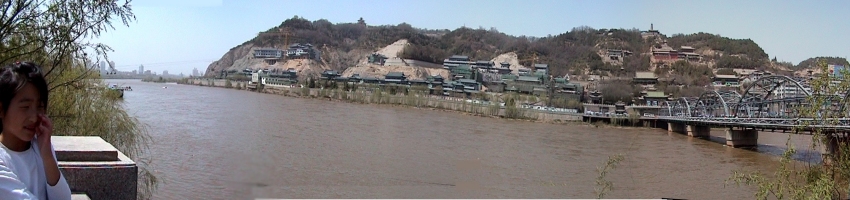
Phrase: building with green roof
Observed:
(566, 90)
(462, 72)
(526, 84)
(645, 78)
(654, 98)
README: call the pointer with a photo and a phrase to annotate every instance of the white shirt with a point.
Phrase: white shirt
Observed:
(22, 176)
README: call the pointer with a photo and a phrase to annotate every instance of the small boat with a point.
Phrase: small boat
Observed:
(114, 87)
(165, 87)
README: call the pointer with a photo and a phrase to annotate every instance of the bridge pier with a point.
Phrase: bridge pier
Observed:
(830, 147)
(699, 131)
(676, 128)
(742, 138)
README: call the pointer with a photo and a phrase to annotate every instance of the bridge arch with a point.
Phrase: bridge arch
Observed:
(686, 106)
(666, 108)
(700, 108)
(843, 112)
(713, 101)
(771, 96)
(678, 108)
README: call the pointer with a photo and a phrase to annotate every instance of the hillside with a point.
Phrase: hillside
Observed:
(415, 70)
(580, 51)
(716, 46)
(341, 45)
(811, 64)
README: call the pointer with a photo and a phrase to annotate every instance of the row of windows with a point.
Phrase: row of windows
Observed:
(268, 53)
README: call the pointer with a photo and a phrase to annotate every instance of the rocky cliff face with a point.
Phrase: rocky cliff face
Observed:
(228, 59)
(340, 60)
(347, 62)
(240, 58)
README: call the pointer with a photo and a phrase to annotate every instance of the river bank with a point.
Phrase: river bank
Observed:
(413, 99)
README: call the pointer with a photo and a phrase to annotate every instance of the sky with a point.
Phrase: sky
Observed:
(181, 35)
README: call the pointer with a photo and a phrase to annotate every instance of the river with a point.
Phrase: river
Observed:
(216, 143)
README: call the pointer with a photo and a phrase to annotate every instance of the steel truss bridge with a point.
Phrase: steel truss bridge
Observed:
(772, 102)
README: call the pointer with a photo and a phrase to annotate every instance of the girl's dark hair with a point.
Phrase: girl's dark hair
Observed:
(13, 77)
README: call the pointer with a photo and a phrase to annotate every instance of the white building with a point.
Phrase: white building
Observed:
(268, 53)
(102, 68)
(195, 72)
(257, 76)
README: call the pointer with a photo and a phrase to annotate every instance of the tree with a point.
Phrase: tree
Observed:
(57, 34)
(688, 74)
(311, 83)
(814, 181)
(726, 71)
(614, 91)
(716, 42)
(737, 62)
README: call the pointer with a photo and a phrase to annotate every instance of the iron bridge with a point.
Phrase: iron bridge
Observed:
(771, 102)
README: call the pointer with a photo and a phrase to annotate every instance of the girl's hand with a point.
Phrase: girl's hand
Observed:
(44, 131)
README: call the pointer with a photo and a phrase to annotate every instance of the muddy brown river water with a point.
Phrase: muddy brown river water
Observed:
(216, 143)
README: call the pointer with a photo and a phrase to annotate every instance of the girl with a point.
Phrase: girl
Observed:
(28, 168)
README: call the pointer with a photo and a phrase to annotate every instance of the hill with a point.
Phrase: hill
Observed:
(580, 51)
(716, 46)
(572, 52)
(415, 70)
(804, 66)
(341, 45)
(812, 62)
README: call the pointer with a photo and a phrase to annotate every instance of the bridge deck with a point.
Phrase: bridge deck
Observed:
(827, 125)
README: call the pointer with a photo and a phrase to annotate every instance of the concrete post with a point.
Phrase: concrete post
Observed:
(699, 131)
(676, 128)
(830, 147)
(742, 138)
(669, 127)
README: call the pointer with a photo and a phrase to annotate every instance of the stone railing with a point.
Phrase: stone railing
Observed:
(95, 169)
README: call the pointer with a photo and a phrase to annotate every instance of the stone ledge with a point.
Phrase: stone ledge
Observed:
(96, 168)
(80, 197)
(123, 160)
(83, 148)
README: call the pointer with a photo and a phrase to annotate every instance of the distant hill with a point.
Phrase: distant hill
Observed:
(573, 52)
(812, 62)
(580, 51)
(726, 46)
(341, 45)
(724, 52)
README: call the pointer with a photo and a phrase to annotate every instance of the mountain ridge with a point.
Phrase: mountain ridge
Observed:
(580, 51)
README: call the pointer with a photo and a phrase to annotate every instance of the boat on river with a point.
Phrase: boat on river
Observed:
(116, 88)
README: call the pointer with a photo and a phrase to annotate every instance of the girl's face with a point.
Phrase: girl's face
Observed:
(21, 118)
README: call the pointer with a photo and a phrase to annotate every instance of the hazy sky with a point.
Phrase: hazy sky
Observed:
(181, 35)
